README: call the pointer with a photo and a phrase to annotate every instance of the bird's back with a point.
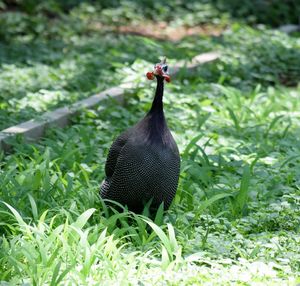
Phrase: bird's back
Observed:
(144, 170)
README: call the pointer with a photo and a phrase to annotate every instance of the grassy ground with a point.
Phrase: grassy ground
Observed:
(235, 219)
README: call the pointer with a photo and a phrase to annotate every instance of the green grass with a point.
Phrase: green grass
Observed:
(236, 215)
(235, 218)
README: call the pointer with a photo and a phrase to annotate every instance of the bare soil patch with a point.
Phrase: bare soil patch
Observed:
(161, 30)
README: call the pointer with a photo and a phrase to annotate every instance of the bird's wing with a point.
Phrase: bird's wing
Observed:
(114, 152)
(143, 173)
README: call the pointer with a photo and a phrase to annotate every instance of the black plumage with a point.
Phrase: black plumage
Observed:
(143, 162)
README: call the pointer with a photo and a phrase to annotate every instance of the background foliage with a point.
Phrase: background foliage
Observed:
(270, 12)
(236, 215)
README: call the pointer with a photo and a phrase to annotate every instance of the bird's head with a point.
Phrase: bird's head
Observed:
(160, 70)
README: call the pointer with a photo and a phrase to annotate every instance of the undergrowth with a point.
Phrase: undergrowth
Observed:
(236, 209)
(236, 215)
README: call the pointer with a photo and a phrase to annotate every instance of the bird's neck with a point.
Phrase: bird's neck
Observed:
(154, 121)
(157, 104)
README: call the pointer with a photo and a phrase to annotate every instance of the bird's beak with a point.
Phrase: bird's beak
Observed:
(158, 70)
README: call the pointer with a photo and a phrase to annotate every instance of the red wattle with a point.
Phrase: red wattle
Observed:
(150, 75)
(167, 78)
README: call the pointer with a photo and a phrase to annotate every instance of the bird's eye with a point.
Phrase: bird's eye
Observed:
(165, 68)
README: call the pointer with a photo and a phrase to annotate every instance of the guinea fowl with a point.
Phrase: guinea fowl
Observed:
(143, 162)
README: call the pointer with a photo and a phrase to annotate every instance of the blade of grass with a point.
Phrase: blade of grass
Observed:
(242, 195)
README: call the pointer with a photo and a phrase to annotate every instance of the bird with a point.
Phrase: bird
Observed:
(143, 163)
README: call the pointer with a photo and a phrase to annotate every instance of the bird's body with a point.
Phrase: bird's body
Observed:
(143, 162)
